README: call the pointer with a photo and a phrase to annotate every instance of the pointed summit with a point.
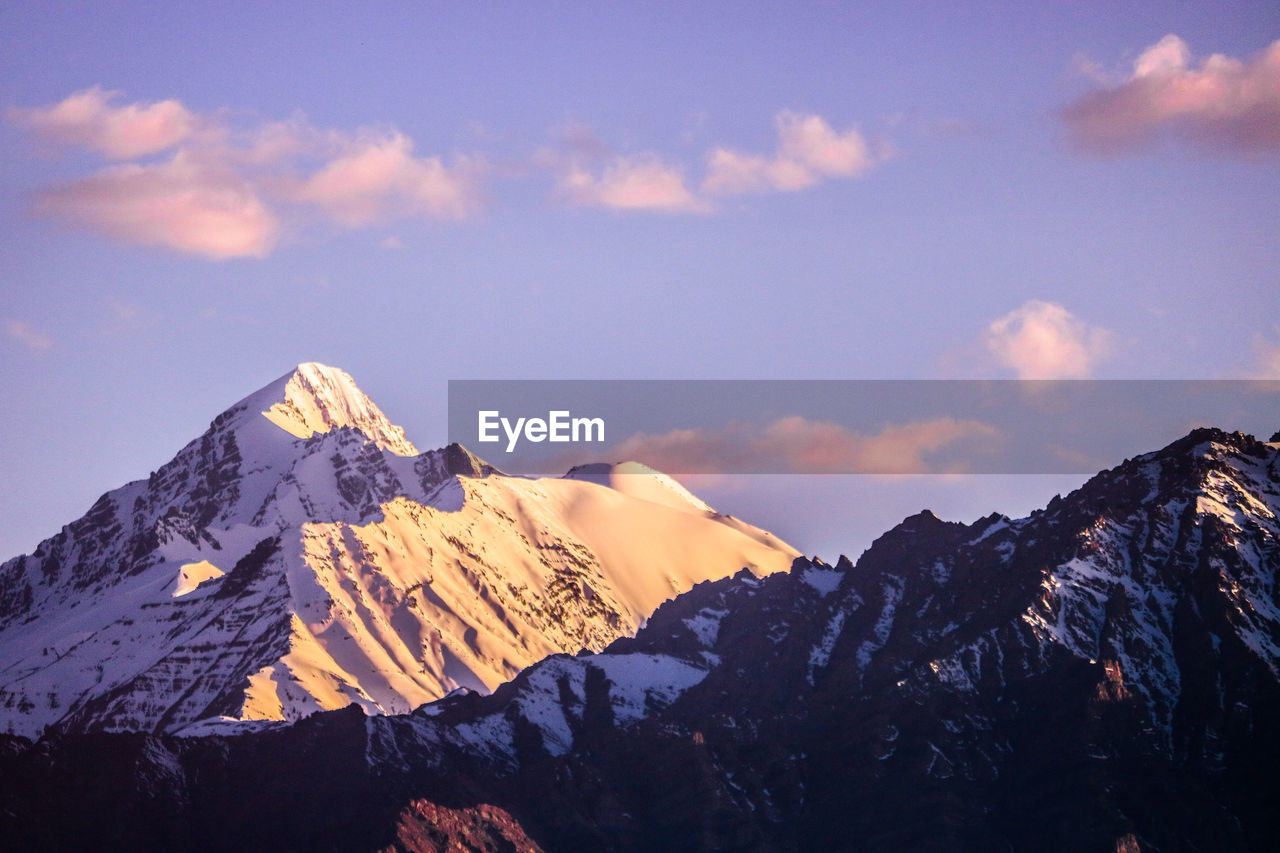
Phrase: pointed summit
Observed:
(316, 398)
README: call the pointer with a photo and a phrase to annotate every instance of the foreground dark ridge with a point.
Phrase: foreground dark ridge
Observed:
(1098, 676)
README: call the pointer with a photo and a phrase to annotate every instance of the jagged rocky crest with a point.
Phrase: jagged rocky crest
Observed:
(303, 555)
(1097, 676)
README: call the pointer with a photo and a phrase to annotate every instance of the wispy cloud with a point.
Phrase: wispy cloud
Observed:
(797, 445)
(1219, 102)
(124, 312)
(227, 191)
(24, 334)
(1043, 340)
(809, 151)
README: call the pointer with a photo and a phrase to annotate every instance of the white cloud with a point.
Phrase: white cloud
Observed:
(1221, 102)
(1043, 340)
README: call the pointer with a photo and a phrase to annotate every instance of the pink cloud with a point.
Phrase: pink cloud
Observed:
(377, 177)
(24, 334)
(179, 204)
(90, 120)
(638, 182)
(1043, 340)
(808, 152)
(226, 189)
(797, 445)
(231, 189)
(1220, 102)
(275, 143)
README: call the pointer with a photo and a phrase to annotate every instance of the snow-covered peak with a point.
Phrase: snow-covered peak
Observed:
(316, 398)
(300, 554)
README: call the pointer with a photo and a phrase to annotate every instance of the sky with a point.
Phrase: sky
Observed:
(196, 197)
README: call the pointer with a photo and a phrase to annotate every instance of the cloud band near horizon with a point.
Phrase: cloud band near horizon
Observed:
(799, 445)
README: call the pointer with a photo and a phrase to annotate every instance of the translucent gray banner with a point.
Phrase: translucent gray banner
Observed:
(545, 427)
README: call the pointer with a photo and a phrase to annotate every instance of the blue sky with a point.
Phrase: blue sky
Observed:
(614, 190)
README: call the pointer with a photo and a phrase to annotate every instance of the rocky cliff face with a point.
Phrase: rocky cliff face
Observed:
(302, 555)
(1097, 676)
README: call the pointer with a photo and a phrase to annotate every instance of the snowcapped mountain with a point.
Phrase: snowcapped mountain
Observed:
(1097, 676)
(303, 555)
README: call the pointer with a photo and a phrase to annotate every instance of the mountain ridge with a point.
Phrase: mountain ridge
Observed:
(1094, 676)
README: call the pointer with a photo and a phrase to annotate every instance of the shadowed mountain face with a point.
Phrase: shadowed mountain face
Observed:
(1098, 676)
(302, 555)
